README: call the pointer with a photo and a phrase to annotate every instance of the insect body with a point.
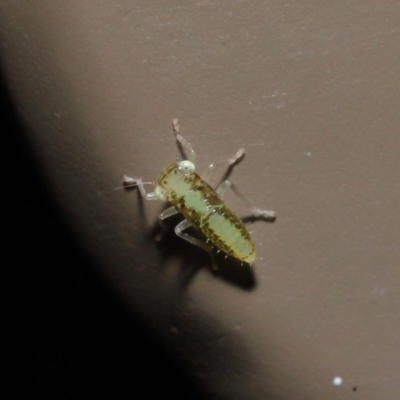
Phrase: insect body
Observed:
(202, 206)
(198, 202)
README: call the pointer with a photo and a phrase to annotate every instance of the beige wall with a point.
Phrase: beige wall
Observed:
(311, 90)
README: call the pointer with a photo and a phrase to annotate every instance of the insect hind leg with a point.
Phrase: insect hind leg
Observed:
(185, 224)
(255, 212)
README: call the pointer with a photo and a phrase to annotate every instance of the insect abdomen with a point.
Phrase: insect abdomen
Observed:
(227, 232)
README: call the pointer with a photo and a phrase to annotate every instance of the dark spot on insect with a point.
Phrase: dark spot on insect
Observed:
(211, 196)
(238, 225)
(164, 182)
(215, 239)
(355, 389)
(181, 203)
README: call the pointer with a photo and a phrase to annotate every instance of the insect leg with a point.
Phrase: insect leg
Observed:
(256, 212)
(168, 212)
(183, 142)
(229, 164)
(128, 181)
(197, 242)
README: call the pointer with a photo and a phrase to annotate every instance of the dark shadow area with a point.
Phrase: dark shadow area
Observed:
(194, 258)
(68, 336)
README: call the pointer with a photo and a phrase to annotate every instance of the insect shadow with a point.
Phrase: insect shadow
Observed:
(192, 258)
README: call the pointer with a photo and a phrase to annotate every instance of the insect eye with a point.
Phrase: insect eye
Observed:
(187, 167)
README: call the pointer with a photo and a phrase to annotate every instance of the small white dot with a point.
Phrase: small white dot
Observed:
(337, 381)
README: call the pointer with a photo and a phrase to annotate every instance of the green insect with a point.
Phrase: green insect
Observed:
(202, 206)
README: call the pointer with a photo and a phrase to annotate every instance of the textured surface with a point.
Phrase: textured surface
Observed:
(310, 90)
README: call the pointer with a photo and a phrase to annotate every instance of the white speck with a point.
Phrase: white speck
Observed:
(308, 154)
(337, 381)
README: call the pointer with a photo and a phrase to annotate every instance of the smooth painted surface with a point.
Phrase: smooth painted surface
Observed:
(310, 89)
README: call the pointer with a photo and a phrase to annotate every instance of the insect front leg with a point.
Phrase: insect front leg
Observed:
(256, 212)
(128, 181)
(168, 212)
(197, 242)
